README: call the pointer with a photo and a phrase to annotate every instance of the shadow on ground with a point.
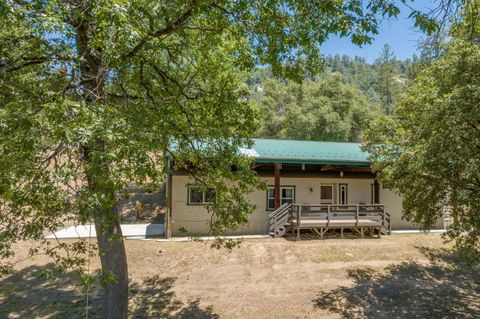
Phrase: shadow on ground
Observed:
(154, 298)
(29, 294)
(445, 288)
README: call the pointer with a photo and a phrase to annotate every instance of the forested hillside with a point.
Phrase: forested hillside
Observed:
(336, 105)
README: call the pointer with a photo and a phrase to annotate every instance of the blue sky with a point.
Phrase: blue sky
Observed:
(398, 32)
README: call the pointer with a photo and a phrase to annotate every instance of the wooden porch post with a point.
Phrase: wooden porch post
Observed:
(277, 186)
(376, 192)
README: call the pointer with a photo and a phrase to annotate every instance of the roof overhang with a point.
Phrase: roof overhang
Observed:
(311, 161)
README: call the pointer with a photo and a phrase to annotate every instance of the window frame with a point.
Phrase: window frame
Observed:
(294, 193)
(340, 186)
(332, 186)
(202, 203)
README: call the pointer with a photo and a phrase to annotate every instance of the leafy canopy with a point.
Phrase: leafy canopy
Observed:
(326, 109)
(428, 149)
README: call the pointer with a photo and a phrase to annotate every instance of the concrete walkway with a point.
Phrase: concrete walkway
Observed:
(128, 230)
(416, 231)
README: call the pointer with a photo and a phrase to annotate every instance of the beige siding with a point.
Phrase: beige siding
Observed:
(393, 204)
(195, 218)
(192, 217)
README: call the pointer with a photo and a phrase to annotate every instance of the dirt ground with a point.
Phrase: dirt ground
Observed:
(407, 276)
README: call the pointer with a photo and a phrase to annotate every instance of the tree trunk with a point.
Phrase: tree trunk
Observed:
(97, 170)
(114, 262)
(113, 257)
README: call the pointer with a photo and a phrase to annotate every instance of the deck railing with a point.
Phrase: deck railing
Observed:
(301, 216)
(334, 211)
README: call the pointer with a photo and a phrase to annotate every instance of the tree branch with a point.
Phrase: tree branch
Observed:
(170, 28)
(33, 61)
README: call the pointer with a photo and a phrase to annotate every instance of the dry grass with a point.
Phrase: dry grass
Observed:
(411, 276)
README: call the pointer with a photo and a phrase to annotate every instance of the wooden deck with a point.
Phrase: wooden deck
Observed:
(306, 223)
(361, 219)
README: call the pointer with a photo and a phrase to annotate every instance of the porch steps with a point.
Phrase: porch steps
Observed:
(385, 231)
(279, 220)
(281, 231)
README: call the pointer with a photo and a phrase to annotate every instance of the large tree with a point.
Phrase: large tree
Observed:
(428, 149)
(93, 93)
(326, 109)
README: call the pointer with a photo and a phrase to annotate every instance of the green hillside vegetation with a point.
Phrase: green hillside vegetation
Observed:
(336, 105)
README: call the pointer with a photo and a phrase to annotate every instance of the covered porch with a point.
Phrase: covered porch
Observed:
(329, 199)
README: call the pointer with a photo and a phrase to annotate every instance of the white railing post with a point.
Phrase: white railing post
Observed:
(299, 219)
(299, 207)
(275, 226)
(356, 215)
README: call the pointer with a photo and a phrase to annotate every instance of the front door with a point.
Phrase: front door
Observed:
(326, 194)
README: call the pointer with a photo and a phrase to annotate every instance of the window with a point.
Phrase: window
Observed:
(287, 195)
(343, 194)
(199, 197)
(326, 194)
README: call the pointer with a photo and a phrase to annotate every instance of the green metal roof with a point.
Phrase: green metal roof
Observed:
(307, 152)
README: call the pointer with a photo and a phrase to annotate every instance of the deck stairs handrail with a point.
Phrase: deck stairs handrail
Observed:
(279, 220)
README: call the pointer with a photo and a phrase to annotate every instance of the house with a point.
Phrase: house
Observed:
(314, 186)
